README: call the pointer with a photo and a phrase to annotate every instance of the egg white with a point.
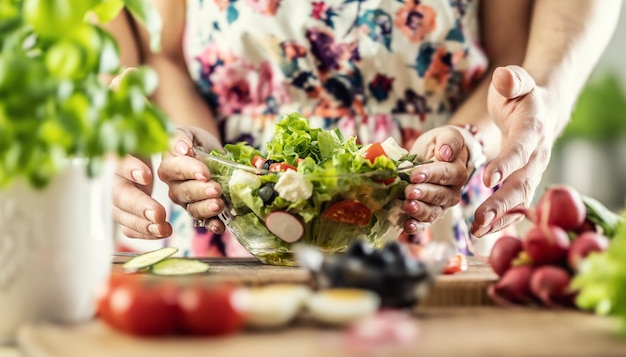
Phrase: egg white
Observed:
(275, 305)
(340, 306)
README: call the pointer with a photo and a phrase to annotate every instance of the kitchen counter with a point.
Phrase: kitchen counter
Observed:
(456, 320)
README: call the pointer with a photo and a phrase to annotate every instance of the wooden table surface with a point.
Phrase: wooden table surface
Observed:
(448, 324)
(467, 288)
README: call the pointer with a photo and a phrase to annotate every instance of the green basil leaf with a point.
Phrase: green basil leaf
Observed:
(107, 10)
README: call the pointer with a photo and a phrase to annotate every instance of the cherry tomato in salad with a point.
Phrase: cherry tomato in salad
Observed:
(211, 310)
(456, 264)
(373, 151)
(258, 161)
(282, 166)
(386, 181)
(348, 211)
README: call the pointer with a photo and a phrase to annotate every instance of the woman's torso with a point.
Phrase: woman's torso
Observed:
(374, 68)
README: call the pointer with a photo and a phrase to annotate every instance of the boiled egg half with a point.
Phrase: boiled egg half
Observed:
(275, 305)
(341, 306)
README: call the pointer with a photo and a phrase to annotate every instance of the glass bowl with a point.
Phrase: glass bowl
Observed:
(270, 223)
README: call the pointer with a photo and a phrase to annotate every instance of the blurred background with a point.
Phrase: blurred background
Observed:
(591, 153)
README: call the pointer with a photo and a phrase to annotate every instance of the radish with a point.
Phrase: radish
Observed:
(546, 245)
(504, 251)
(284, 226)
(583, 245)
(513, 287)
(560, 206)
(550, 284)
(587, 226)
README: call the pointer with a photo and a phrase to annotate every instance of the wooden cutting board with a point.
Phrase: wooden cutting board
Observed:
(467, 288)
(478, 331)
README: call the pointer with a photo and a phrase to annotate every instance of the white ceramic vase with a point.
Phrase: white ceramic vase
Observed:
(55, 248)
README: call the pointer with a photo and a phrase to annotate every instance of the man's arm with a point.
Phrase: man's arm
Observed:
(504, 37)
(566, 41)
(532, 104)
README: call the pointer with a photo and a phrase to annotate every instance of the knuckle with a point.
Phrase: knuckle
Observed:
(434, 214)
(538, 127)
(438, 199)
(138, 226)
(184, 196)
(527, 186)
(191, 211)
(117, 214)
(162, 172)
(521, 151)
(446, 176)
(174, 196)
(455, 198)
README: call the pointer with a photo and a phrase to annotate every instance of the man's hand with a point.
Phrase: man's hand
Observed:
(522, 112)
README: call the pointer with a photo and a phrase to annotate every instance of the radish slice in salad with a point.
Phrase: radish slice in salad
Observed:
(285, 226)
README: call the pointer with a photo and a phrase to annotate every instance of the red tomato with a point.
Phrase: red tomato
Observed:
(456, 264)
(282, 166)
(386, 181)
(143, 307)
(373, 151)
(348, 211)
(211, 310)
(258, 161)
(103, 297)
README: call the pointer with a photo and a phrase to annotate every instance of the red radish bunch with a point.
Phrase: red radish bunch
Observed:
(538, 267)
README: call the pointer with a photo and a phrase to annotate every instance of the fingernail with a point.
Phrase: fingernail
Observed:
(412, 227)
(137, 175)
(150, 215)
(154, 229)
(419, 178)
(484, 231)
(415, 194)
(214, 207)
(413, 207)
(182, 148)
(200, 177)
(495, 179)
(445, 152)
(211, 192)
(214, 229)
(489, 216)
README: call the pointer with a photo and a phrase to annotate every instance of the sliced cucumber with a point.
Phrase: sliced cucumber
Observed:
(147, 259)
(179, 266)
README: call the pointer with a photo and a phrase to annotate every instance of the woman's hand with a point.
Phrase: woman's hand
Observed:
(435, 186)
(521, 109)
(189, 179)
(138, 214)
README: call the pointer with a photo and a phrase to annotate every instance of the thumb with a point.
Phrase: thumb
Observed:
(512, 81)
(181, 143)
(448, 145)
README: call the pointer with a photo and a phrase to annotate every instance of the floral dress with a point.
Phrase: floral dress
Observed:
(373, 68)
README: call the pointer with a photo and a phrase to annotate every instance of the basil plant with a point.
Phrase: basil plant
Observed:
(54, 105)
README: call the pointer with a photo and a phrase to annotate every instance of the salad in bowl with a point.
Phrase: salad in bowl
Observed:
(311, 187)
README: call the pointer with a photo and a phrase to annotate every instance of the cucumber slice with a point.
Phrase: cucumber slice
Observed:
(179, 266)
(147, 259)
